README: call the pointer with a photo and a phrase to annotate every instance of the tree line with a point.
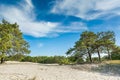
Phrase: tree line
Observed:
(11, 40)
(91, 43)
(39, 59)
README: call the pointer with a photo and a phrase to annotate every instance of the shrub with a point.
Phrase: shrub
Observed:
(80, 61)
(95, 59)
(28, 59)
(43, 59)
(115, 56)
(64, 61)
(16, 57)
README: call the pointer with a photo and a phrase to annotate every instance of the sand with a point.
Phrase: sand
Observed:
(34, 71)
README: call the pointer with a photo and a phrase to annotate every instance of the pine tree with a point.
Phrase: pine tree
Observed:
(11, 40)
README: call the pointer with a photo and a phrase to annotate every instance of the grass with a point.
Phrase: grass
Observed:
(34, 78)
(112, 62)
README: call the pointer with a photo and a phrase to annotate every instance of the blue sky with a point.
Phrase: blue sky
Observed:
(52, 26)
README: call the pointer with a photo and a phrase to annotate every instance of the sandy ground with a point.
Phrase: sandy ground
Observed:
(34, 71)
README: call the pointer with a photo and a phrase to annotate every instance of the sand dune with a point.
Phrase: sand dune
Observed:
(34, 71)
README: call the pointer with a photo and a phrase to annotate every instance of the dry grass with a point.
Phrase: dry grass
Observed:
(112, 62)
(34, 78)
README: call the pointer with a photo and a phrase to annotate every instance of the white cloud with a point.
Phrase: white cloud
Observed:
(24, 15)
(37, 29)
(29, 2)
(26, 22)
(81, 8)
(73, 27)
(107, 5)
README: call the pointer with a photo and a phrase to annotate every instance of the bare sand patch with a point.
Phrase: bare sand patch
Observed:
(28, 71)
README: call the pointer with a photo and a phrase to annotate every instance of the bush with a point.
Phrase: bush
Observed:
(16, 57)
(95, 59)
(115, 56)
(79, 61)
(43, 59)
(27, 59)
(64, 61)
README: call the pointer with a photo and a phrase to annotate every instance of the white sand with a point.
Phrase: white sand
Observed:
(27, 71)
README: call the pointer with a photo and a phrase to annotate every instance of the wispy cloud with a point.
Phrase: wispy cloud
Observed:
(25, 16)
(73, 27)
(87, 9)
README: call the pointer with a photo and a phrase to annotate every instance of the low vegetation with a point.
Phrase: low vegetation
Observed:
(40, 59)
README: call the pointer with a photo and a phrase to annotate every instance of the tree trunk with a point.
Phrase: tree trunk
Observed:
(109, 55)
(99, 57)
(89, 54)
(2, 60)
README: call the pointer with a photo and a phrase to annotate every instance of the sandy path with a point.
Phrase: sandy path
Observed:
(27, 71)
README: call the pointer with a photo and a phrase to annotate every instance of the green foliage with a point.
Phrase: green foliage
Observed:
(29, 59)
(49, 59)
(64, 61)
(90, 43)
(105, 58)
(16, 57)
(116, 54)
(75, 59)
(84, 45)
(108, 42)
(14, 47)
(11, 40)
(80, 61)
(43, 59)
(70, 51)
(95, 60)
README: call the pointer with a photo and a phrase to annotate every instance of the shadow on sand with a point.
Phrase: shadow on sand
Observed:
(108, 69)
